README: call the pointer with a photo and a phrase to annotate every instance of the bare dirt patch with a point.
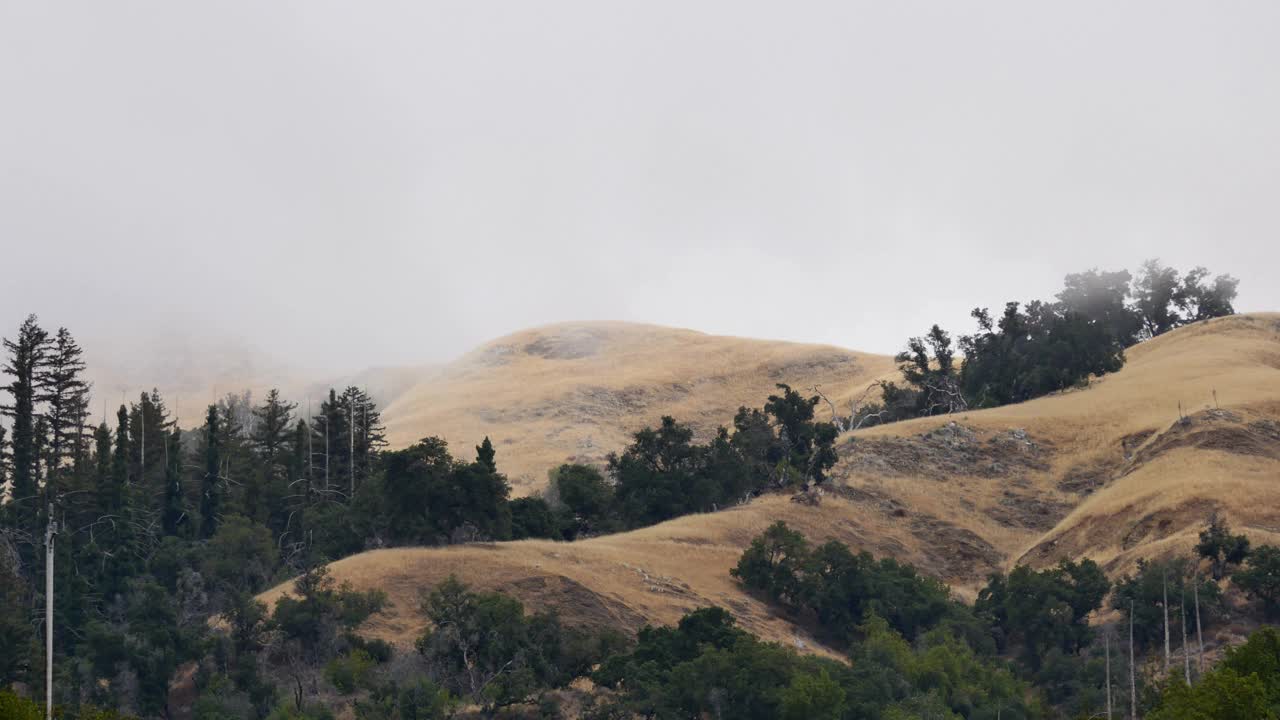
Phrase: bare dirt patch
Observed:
(1221, 430)
(947, 451)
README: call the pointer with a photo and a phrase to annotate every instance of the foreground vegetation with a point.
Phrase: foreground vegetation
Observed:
(162, 530)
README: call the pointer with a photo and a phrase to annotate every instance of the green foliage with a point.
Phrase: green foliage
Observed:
(1220, 695)
(1146, 592)
(483, 647)
(1259, 656)
(774, 564)
(321, 612)
(420, 700)
(586, 501)
(16, 635)
(838, 587)
(664, 474)
(13, 707)
(531, 517)
(427, 497)
(1045, 609)
(350, 673)
(1220, 547)
(240, 557)
(812, 697)
(1038, 347)
(1260, 578)
(1163, 300)
(290, 711)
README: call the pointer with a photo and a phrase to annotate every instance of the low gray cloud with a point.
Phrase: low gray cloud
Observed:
(350, 184)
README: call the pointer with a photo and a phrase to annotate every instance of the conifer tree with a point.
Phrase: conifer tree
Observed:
(25, 365)
(210, 487)
(149, 428)
(4, 461)
(105, 490)
(267, 488)
(330, 428)
(485, 455)
(66, 396)
(120, 462)
(174, 512)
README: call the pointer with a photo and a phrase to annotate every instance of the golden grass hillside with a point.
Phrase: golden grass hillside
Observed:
(1112, 471)
(575, 392)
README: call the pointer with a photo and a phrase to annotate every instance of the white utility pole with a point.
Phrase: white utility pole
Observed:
(351, 430)
(1107, 636)
(1133, 683)
(49, 533)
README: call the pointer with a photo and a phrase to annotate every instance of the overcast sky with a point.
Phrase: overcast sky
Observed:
(364, 183)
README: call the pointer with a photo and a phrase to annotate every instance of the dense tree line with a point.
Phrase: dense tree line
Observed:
(1031, 628)
(1032, 349)
(162, 527)
(664, 473)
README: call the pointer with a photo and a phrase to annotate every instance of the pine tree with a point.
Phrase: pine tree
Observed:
(174, 513)
(107, 496)
(149, 427)
(120, 463)
(4, 461)
(485, 455)
(25, 364)
(66, 395)
(210, 487)
(266, 491)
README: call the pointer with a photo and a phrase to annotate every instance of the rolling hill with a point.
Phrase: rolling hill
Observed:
(1128, 467)
(575, 392)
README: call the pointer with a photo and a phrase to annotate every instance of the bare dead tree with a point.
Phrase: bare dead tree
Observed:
(1195, 590)
(1107, 638)
(1133, 675)
(836, 420)
(1186, 653)
(1164, 581)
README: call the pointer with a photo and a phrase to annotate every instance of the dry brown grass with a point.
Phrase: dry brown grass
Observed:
(1106, 472)
(575, 392)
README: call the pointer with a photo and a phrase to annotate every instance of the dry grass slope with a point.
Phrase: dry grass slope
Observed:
(575, 392)
(1108, 472)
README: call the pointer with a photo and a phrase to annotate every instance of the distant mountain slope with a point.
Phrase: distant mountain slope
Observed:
(1109, 472)
(574, 392)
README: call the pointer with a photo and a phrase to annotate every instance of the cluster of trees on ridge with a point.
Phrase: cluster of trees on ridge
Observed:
(1023, 650)
(160, 528)
(1042, 347)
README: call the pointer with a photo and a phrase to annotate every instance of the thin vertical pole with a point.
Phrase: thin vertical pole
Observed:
(1195, 588)
(49, 534)
(1165, 587)
(1133, 682)
(1108, 643)
(1186, 652)
(351, 431)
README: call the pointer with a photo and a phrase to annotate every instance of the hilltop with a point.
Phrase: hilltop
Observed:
(575, 392)
(1128, 467)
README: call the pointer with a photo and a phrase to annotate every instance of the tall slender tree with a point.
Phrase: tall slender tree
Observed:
(65, 394)
(211, 486)
(25, 365)
(149, 426)
(270, 438)
(120, 462)
(174, 513)
(4, 461)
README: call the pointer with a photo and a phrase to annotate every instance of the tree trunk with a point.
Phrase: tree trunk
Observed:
(1133, 681)
(1108, 643)
(1195, 587)
(1186, 652)
(1164, 582)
